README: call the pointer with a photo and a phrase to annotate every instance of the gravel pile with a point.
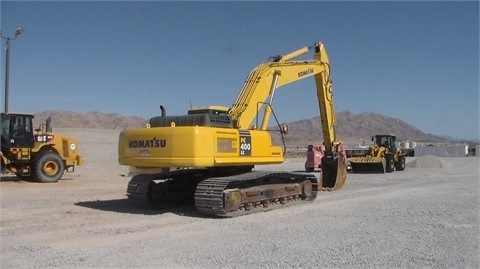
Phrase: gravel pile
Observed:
(428, 161)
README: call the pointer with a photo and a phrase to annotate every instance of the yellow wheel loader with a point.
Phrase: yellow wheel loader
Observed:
(38, 154)
(383, 156)
(209, 154)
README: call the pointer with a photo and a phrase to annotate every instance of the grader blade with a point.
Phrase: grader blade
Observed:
(366, 165)
(334, 173)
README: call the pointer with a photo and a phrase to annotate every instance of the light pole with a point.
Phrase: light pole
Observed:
(7, 62)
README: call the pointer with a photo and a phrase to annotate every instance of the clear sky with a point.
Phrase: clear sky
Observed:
(415, 61)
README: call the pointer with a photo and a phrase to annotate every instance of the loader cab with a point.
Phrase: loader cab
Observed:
(387, 141)
(17, 131)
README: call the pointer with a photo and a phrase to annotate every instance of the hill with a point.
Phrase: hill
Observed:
(352, 129)
(355, 129)
(89, 120)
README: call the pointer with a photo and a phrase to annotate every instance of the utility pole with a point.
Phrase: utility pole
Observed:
(18, 31)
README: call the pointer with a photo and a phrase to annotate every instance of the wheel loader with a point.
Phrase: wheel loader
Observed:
(383, 156)
(39, 154)
(209, 154)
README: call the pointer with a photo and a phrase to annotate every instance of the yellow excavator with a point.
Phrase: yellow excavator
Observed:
(209, 154)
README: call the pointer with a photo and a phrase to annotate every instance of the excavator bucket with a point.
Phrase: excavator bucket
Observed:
(367, 164)
(334, 173)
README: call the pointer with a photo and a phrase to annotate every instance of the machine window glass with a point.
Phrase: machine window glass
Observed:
(5, 127)
(27, 125)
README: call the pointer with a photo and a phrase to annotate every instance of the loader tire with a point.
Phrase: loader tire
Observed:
(400, 166)
(389, 163)
(48, 167)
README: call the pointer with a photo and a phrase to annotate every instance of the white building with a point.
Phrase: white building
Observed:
(443, 151)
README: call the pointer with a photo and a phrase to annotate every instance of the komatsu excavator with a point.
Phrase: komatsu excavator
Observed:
(209, 154)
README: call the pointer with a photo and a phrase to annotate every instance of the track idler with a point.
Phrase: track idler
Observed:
(334, 172)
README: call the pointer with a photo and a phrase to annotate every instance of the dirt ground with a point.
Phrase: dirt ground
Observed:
(421, 217)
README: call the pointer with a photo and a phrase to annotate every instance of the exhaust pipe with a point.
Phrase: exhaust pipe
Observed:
(164, 111)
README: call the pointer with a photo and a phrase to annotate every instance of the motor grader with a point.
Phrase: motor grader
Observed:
(383, 156)
(39, 154)
(209, 154)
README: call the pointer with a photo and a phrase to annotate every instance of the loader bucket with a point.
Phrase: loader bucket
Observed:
(334, 173)
(367, 164)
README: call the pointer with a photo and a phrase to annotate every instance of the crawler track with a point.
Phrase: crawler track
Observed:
(256, 191)
(164, 189)
(137, 190)
(224, 196)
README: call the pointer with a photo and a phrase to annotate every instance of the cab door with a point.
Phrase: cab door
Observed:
(20, 132)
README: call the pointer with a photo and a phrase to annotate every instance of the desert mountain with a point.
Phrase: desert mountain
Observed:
(89, 120)
(352, 129)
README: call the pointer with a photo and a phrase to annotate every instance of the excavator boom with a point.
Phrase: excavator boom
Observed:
(281, 70)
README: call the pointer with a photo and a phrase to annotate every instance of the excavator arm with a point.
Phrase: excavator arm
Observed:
(261, 85)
